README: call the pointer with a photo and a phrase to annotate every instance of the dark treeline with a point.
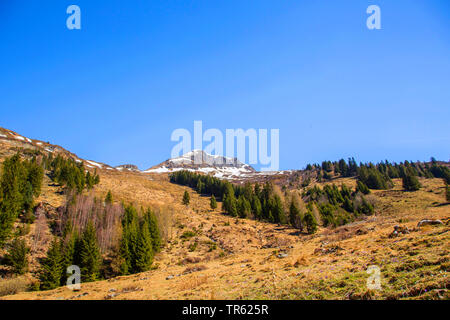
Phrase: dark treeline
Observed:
(20, 184)
(378, 176)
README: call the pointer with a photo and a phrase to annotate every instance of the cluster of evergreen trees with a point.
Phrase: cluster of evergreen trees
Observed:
(20, 184)
(140, 240)
(261, 203)
(338, 206)
(72, 249)
(378, 176)
(70, 174)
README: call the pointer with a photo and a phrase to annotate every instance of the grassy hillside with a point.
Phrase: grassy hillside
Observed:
(227, 258)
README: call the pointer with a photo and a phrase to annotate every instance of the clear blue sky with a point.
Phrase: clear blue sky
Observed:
(116, 89)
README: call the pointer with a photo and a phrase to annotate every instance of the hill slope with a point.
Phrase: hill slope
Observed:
(229, 258)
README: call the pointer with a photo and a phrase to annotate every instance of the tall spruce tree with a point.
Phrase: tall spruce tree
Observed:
(90, 255)
(230, 203)
(278, 210)
(144, 250)
(52, 267)
(256, 207)
(153, 227)
(69, 253)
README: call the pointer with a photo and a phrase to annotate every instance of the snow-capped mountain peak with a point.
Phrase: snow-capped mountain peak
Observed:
(200, 161)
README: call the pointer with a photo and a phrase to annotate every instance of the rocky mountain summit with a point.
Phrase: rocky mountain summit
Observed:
(129, 167)
(200, 161)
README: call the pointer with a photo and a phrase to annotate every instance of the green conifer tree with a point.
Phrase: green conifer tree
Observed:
(310, 222)
(52, 267)
(144, 250)
(90, 255)
(153, 227)
(69, 254)
(17, 256)
(278, 210)
(109, 198)
(295, 218)
(361, 187)
(213, 203)
(12, 182)
(410, 181)
(256, 207)
(125, 254)
(186, 198)
(243, 207)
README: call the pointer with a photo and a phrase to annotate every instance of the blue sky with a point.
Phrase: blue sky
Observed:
(116, 89)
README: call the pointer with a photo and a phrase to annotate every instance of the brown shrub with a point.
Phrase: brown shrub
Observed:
(190, 260)
(13, 286)
(194, 269)
(193, 282)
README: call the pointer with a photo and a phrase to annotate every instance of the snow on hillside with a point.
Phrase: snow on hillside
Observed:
(216, 165)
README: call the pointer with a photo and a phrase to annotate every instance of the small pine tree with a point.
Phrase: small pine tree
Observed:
(52, 267)
(366, 207)
(186, 198)
(310, 222)
(17, 256)
(295, 215)
(213, 203)
(109, 198)
(361, 187)
(90, 254)
(410, 182)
